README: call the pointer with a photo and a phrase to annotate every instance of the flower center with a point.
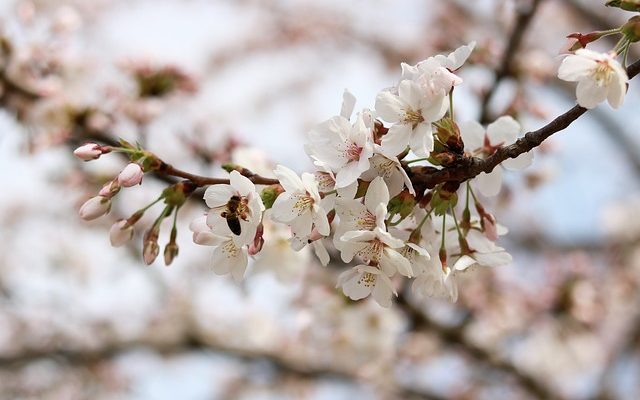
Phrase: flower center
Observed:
(366, 222)
(353, 152)
(603, 73)
(304, 203)
(367, 279)
(413, 117)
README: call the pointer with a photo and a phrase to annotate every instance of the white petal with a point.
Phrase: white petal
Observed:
(489, 184)
(435, 109)
(288, 179)
(472, 134)
(218, 195)
(284, 208)
(590, 94)
(321, 252)
(382, 292)
(348, 103)
(377, 193)
(348, 175)
(393, 259)
(322, 223)
(463, 263)
(389, 106)
(575, 68)
(241, 184)
(411, 93)
(302, 224)
(422, 140)
(396, 140)
(520, 162)
(503, 131)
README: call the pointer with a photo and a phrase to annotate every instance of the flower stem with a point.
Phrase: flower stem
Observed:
(417, 160)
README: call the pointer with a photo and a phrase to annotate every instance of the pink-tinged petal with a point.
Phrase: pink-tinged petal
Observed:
(489, 184)
(503, 131)
(288, 179)
(421, 142)
(590, 94)
(396, 140)
(520, 162)
(310, 185)
(472, 134)
(241, 183)
(218, 195)
(459, 56)
(348, 103)
(377, 193)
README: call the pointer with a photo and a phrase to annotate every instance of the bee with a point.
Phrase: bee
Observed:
(233, 212)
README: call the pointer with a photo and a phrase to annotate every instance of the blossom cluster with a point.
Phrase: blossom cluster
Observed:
(362, 200)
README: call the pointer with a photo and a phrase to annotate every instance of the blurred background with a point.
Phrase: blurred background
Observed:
(206, 82)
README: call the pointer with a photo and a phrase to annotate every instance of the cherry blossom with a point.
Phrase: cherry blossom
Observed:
(363, 280)
(300, 205)
(600, 77)
(131, 175)
(247, 206)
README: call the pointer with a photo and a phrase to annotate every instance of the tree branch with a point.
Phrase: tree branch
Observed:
(520, 26)
(469, 167)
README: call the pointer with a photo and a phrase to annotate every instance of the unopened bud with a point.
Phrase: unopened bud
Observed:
(120, 233)
(131, 175)
(627, 5)
(270, 194)
(449, 133)
(170, 253)
(90, 151)
(110, 189)
(258, 241)
(95, 207)
(489, 228)
(632, 29)
(442, 254)
(150, 249)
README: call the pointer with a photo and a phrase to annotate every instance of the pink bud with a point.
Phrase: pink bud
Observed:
(88, 152)
(489, 227)
(258, 241)
(131, 175)
(110, 189)
(120, 233)
(95, 207)
(150, 252)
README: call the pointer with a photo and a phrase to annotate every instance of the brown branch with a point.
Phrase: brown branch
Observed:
(469, 167)
(170, 170)
(520, 26)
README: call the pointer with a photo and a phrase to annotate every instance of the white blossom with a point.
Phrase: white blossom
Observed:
(390, 169)
(363, 280)
(600, 77)
(248, 209)
(300, 204)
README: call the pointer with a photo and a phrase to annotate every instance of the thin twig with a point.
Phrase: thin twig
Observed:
(521, 24)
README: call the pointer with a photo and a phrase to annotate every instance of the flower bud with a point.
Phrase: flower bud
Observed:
(150, 249)
(402, 204)
(582, 40)
(270, 194)
(131, 175)
(120, 233)
(449, 133)
(89, 151)
(256, 246)
(170, 253)
(632, 29)
(95, 207)
(628, 5)
(110, 189)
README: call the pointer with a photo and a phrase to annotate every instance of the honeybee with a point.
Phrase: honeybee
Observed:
(233, 212)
